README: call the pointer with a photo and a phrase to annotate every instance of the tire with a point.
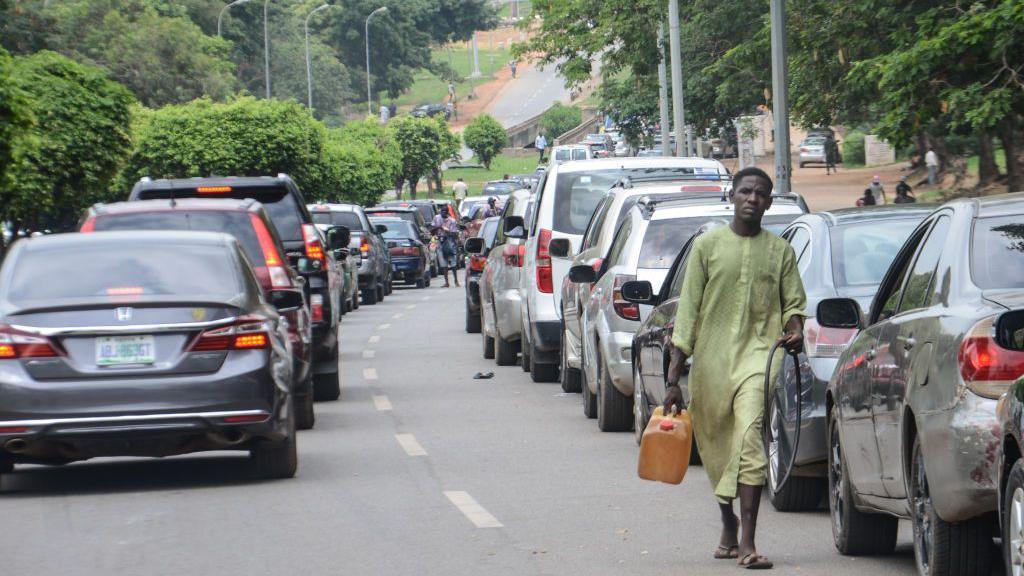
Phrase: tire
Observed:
(389, 287)
(801, 164)
(641, 411)
(488, 346)
(614, 409)
(426, 280)
(800, 493)
(305, 417)
(525, 353)
(957, 549)
(505, 352)
(542, 372)
(370, 297)
(421, 283)
(589, 399)
(6, 464)
(1013, 519)
(472, 322)
(380, 293)
(570, 376)
(355, 299)
(854, 532)
(276, 458)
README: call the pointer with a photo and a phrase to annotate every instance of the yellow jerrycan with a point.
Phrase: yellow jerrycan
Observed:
(665, 447)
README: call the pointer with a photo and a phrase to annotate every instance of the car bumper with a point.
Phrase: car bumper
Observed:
(572, 350)
(546, 338)
(805, 158)
(410, 266)
(509, 321)
(616, 352)
(960, 447)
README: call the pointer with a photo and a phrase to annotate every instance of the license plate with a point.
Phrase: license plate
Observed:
(117, 350)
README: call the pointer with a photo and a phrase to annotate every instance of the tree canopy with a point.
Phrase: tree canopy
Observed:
(559, 119)
(485, 137)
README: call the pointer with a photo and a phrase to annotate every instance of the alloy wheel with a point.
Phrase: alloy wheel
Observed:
(1016, 533)
(836, 480)
(774, 457)
(639, 402)
(922, 515)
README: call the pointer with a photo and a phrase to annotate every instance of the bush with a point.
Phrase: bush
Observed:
(853, 148)
(361, 162)
(559, 119)
(425, 143)
(486, 138)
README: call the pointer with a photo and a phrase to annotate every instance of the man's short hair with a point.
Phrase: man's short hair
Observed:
(751, 171)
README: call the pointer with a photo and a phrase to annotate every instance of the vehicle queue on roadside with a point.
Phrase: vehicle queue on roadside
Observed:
(910, 391)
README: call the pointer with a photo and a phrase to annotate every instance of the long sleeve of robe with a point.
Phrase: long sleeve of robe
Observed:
(737, 295)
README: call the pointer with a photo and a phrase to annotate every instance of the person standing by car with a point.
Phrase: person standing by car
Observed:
(541, 143)
(447, 230)
(459, 190)
(740, 290)
(831, 155)
(903, 192)
(492, 208)
(878, 191)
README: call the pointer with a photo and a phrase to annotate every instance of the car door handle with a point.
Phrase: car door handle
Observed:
(908, 342)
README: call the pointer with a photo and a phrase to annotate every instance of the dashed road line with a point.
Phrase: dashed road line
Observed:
(410, 307)
(397, 316)
(383, 326)
(373, 340)
(410, 445)
(369, 354)
(381, 403)
(472, 510)
(369, 373)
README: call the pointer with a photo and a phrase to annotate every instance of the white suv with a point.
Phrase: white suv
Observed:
(566, 200)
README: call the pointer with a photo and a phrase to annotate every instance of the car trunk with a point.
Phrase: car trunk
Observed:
(1010, 298)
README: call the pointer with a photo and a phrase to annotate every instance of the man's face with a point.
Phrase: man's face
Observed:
(751, 198)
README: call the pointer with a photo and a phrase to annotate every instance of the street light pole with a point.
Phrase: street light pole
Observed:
(663, 93)
(780, 97)
(266, 47)
(677, 78)
(220, 16)
(309, 66)
(369, 99)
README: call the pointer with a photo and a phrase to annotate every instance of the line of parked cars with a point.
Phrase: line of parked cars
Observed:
(910, 386)
(200, 314)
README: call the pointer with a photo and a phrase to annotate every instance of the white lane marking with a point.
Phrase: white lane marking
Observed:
(410, 307)
(381, 403)
(369, 373)
(373, 339)
(410, 445)
(369, 354)
(425, 298)
(472, 510)
(397, 316)
(383, 326)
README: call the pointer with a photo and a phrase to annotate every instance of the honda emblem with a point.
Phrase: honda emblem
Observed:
(123, 314)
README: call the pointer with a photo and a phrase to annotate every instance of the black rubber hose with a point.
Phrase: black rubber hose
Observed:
(766, 426)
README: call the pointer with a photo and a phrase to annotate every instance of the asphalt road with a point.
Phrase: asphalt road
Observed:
(531, 93)
(418, 469)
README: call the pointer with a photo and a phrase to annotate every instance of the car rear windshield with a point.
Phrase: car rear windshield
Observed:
(281, 206)
(862, 252)
(236, 223)
(348, 219)
(398, 229)
(664, 239)
(997, 252)
(112, 273)
(407, 216)
(577, 193)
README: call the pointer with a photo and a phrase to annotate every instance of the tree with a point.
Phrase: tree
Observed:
(16, 121)
(362, 160)
(559, 119)
(634, 104)
(485, 137)
(81, 138)
(425, 143)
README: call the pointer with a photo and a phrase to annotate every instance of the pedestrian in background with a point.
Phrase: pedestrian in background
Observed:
(868, 199)
(540, 143)
(741, 294)
(460, 190)
(447, 230)
(831, 155)
(903, 192)
(931, 160)
(878, 190)
(451, 92)
(513, 65)
(492, 208)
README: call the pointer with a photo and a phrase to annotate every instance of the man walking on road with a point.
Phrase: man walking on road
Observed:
(740, 291)
(460, 189)
(541, 143)
(447, 230)
(831, 155)
(513, 65)
(931, 160)
(878, 191)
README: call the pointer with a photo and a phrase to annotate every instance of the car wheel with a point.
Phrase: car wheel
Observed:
(525, 353)
(304, 415)
(589, 399)
(801, 493)
(641, 411)
(472, 321)
(380, 293)
(614, 412)
(389, 287)
(854, 532)
(327, 387)
(505, 352)
(570, 376)
(421, 283)
(6, 464)
(370, 296)
(942, 548)
(1013, 521)
(488, 346)
(542, 372)
(355, 299)
(433, 270)
(801, 164)
(276, 458)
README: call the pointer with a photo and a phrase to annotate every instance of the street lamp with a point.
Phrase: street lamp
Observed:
(309, 67)
(369, 101)
(220, 17)
(266, 47)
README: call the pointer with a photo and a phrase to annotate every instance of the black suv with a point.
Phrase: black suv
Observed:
(287, 210)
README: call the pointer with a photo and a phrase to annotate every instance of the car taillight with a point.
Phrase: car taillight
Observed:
(987, 368)
(316, 307)
(89, 225)
(477, 263)
(273, 274)
(404, 251)
(17, 344)
(804, 150)
(624, 308)
(314, 248)
(544, 261)
(246, 334)
(364, 248)
(821, 342)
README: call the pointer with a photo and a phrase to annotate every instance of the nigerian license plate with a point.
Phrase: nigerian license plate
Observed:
(117, 350)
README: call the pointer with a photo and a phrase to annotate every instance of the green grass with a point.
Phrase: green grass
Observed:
(972, 162)
(427, 88)
(476, 177)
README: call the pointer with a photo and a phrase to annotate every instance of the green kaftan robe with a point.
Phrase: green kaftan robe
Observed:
(737, 295)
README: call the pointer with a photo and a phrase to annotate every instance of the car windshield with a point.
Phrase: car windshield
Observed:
(504, 188)
(235, 223)
(862, 252)
(997, 252)
(397, 229)
(348, 219)
(116, 273)
(404, 215)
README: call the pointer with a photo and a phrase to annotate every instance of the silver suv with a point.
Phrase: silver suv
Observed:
(366, 247)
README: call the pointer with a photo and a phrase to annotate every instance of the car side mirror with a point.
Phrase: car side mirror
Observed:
(515, 227)
(287, 300)
(380, 228)
(307, 266)
(475, 245)
(582, 274)
(639, 292)
(560, 247)
(338, 237)
(1010, 330)
(839, 313)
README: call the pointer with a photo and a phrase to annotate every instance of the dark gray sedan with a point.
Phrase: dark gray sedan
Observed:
(141, 344)
(839, 253)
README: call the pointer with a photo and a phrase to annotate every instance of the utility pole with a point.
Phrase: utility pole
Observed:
(266, 48)
(666, 149)
(780, 97)
(677, 78)
(220, 16)
(369, 96)
(309, 64)
(476, 59)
